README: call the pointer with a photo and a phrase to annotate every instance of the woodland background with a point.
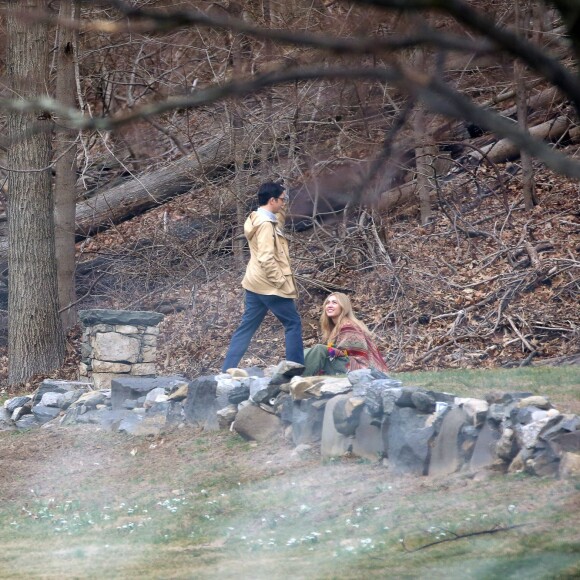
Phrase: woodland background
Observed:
(386, 120)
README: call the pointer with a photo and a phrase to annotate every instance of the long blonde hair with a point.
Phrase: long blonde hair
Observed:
(329, 328)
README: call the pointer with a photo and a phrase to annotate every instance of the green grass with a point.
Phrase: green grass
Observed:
(211, 505)
(560, 384)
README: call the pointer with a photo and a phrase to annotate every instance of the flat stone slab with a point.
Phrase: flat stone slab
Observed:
(123, 388)
(130, 317)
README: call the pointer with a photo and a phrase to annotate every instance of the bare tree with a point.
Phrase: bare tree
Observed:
(65, 167)
(35, 336)
(522, 18)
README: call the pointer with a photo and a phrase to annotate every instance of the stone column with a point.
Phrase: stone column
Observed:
(118, 343)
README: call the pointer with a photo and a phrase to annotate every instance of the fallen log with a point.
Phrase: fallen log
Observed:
(133, 197)
(497, 152)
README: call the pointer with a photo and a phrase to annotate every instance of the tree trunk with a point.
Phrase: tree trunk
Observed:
(528, 186)
(65, 166)
(35, 337)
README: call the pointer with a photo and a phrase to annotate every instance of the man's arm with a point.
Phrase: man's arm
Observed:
(266, 254)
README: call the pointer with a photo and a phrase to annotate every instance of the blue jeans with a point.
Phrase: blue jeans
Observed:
(256, 308)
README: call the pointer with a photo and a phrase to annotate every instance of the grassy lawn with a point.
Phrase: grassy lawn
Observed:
(83, 503)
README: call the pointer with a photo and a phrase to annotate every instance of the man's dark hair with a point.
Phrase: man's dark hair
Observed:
(268, 190)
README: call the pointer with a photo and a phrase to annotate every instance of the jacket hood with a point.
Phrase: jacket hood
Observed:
(254, 220)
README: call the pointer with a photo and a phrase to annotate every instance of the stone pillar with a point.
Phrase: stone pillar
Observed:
(118, 343)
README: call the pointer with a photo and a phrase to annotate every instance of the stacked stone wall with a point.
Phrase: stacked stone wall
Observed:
(118, 343)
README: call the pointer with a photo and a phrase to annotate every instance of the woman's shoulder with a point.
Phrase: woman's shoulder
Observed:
(350, 326)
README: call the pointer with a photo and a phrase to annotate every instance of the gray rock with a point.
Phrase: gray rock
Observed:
(12, 404)
(405, 399)
(528, 434)
(263, 389)
(476, 409)
(408, 441)
(143, 425)
(375, 393)
(226, 416)
(333, 443)
(103, 316)
(307, 418)
(390, 398)
(499, 412)
(6, 423)
(44, 414)
(255, 424)
(27, 422)
(423, 402)
(239, 393)
(201, 407)
(347, 414)
(71, 397)
(91, 399)
(156, 395)
(158, 407)
(19, 412)
(284, 371)
(507, 446)
(106, 418)
(526, 415)
(447, 456)
(285, 407)
(362, 378)
(280, 403)
(565, 442)
(514, 397)
(115, 347)
(368, 441)
(254, 372)
(484, 453)
(535, 401)
(54, 386)
(224, 387)
(441, 397)
(543, 463)
(52, 400)
(123, 388)
(566, 422)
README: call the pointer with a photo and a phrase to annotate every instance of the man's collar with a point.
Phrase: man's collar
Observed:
(268, 213)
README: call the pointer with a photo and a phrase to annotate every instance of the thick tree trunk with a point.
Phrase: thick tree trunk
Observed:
(65, 166)
(35, 338)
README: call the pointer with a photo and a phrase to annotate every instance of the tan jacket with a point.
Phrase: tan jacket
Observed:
(268, 271)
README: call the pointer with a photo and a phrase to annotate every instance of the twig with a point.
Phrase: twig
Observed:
(69, 306)
(521, 336)
(494, 530)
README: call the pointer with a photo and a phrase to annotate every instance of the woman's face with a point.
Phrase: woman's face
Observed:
(332, 308)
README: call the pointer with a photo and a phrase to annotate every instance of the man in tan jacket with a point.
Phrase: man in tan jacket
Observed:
(269, 282)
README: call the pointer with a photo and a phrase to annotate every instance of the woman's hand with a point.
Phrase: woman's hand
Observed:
(336, 353)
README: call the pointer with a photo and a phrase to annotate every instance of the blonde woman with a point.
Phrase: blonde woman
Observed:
(349, 344)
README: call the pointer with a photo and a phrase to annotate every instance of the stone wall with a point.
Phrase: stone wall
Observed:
(410, 430)
(118, 343)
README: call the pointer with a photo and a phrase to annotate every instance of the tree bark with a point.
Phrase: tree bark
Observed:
(35, 337)
(528, 186)
(65, 166)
